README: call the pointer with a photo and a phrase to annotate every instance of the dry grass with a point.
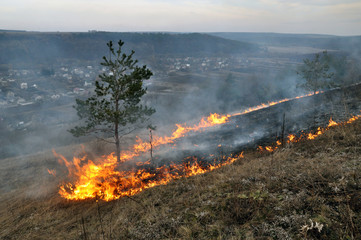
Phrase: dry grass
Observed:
(258, 197)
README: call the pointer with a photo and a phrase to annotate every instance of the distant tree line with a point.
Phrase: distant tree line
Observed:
(52, 47)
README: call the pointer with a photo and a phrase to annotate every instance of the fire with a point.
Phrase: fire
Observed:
(103, 179)
(105, 182)
(319, 132)
(182, 130)
(353, 119)
(331, 123)
(52, 172)
(266, 105)
(269, 149)
(291, 138)
(215, 119)
(309, 136)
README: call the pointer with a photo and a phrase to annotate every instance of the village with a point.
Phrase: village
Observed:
(22, 91)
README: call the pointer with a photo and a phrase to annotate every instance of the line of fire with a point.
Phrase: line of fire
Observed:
(212, 142)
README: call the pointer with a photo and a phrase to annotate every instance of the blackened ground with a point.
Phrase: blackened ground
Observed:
(264, 127)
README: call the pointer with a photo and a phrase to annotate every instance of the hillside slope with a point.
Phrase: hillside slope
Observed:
(309, 189)
(50, 48)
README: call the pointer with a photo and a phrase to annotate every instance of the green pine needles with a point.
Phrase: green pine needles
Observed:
(117, 97)
(316, 73)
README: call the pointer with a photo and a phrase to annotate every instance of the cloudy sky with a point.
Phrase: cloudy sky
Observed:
(339, 17)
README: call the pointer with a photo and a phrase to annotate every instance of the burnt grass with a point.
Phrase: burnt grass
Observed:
(283, 195)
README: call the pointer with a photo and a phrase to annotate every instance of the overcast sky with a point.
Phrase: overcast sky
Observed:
(338, 17)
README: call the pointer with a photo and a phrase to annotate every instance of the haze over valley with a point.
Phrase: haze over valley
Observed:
(194, 75)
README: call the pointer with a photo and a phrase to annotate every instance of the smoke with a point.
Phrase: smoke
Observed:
(222, 77)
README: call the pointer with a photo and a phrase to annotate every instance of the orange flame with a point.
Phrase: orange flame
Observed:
(353, 119)
(331, 123)
(105, 182)
(319, 132)
(52, 172)
(291, 138)
(309, 136)
(266, 105)
(181, 130)
(270, 149)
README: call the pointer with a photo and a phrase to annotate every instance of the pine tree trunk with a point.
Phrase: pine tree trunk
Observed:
(116, 136)
(116, 132)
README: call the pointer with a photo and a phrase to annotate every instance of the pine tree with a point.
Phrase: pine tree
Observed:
(116, 101)
(316, 73)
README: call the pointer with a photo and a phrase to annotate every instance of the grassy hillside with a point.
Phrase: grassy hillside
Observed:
(309, 190)
(46, 48)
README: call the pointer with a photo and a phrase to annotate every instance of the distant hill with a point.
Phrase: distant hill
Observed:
(348, 43)
(43, 48)
(5, 30)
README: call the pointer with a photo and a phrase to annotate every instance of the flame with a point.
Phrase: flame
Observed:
(52, 172)
(102, 179)
(266, 105)
(105, 182)
(319, 132)
(353, 119)
(269, 149)
(331, 123)
(181, 130)
(309, 136)
(291, 138)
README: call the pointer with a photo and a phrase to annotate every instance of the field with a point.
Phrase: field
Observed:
(308, 189)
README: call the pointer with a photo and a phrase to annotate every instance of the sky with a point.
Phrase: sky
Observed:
(336, 17)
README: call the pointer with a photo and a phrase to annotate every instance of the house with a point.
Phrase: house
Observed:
(24, 85)
(55, 97)
(79, 90)
(87, 84)
(10, 96)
